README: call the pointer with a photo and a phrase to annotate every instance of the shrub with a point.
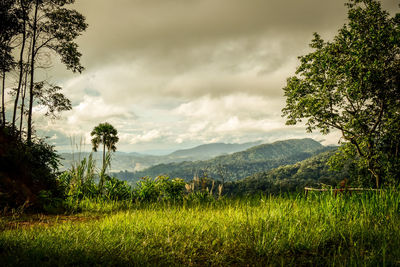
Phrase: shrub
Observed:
(115, 189)
(26, 170)
(79, 181)
(147, 189)
(160, 188)
(171, 189)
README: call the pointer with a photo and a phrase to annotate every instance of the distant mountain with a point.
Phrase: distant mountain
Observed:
(208, 151)
(133, 161)
(240, 164)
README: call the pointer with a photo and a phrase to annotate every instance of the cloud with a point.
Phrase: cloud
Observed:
(146, 137)
(176, 73)
(82, 119)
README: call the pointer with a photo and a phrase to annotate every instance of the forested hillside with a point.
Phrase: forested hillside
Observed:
(312, 172)
(241, 164)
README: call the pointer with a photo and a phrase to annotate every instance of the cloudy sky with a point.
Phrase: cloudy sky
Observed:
(172, 74)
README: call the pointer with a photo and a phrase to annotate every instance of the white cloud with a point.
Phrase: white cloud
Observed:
(146, 137)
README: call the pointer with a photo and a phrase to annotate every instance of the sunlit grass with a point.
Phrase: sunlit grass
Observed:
(321, 230)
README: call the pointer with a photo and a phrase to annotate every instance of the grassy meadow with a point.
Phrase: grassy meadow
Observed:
(362, 229)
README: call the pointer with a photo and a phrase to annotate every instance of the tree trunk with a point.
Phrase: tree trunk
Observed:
(377, 177)
(23, 105)
(29, 135)
(104, 155)
(21, 70)
(3, 109)
(104, 166)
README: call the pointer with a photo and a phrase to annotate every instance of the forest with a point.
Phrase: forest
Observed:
(215, 204)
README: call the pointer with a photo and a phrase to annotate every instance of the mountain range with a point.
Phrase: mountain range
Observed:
(131, 162)
(238, 165)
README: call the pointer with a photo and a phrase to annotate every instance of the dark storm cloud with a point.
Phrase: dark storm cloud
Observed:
(161, 27)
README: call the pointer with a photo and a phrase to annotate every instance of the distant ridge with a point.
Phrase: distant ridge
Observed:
(133, 161)
(212, 150)
(277, 150)
(241, 164)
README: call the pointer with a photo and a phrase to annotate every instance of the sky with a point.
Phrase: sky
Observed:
(173, 74)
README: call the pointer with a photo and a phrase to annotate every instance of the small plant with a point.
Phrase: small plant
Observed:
(79, 181)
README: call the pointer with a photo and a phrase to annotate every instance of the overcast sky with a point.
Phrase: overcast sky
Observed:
(172, 74)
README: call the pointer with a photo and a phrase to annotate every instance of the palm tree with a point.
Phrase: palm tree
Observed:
(105, 134)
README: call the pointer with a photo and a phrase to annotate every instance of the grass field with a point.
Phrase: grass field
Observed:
(321, 230)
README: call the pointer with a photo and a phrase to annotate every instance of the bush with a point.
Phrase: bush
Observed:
(115, 189)
(147, 190)
(171, 189)
(26, 170)
(79, 181)
(160, 188)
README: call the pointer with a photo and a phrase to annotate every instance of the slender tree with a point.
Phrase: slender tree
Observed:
(8, 30)
(23, 8)
(104, 134)
(53, 28)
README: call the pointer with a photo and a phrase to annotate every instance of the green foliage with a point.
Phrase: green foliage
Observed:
(50, 203)
(8, 30)
(26, 170)
(171, 189)
(352, 84)
(50, 97)
(115, 189)
(160, 188)
(105, 134)
(79, 181)
(200, 197)
(147, 190)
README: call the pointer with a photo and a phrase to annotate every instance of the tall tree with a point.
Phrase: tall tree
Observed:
(53, 29)
(9, 29)
(104, 134)
(353, 84)
(23, 16)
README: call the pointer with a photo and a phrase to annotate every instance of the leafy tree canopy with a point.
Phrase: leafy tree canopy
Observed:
(105, 134)
(353, 84)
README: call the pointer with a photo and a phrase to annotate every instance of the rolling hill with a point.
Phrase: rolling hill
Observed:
(313, 172)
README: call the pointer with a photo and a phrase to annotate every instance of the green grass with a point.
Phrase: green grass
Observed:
(321, 230)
